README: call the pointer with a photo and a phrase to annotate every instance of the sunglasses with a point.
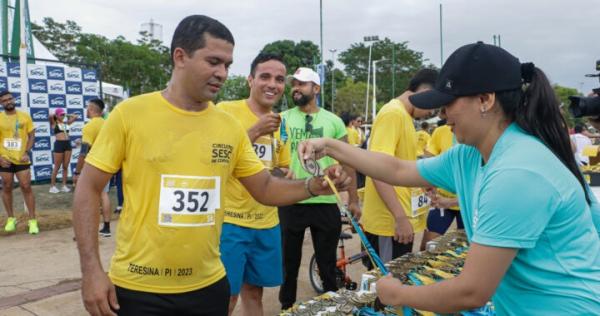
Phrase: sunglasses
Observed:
(308, 126)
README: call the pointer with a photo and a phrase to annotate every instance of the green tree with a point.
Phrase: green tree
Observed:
(235, 88)
(407, 62)
(141, 67)
(301, 54)
(563, 93)
(351, 97)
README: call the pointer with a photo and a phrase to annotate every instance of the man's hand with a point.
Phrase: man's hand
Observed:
(266, 125)
(99, 295)
(403, 231)
(443, 202)
(25, 157)
(338, 176)
(355, 210)
(312, 148)
(386, 288)
(4, 163)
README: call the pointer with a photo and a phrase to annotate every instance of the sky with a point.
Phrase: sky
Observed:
(560, 37)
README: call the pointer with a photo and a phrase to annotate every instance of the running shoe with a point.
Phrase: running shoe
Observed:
(104, 232)
(11, 224)
(54, 189)
(118, 209)
(65, 189)
(33, 227)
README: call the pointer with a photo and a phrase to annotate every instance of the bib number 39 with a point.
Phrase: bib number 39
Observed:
(188, 200)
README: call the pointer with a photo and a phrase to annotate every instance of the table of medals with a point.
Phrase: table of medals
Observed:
(444, 259)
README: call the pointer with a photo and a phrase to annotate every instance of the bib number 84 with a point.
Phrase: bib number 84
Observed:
(191, 201)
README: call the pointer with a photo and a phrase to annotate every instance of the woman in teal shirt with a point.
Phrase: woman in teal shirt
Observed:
(530, 217)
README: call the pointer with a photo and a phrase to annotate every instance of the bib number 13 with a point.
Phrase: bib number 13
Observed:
(191, 201)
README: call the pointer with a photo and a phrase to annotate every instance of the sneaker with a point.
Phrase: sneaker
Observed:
(65, 189)
(104, 232)
(54, 189)
(11, 224)
(33, 227)
(118, 209)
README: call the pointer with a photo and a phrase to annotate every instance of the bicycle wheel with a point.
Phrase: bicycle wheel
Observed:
(314, 276)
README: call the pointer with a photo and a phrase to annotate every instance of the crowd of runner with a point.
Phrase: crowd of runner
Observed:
(217, 200)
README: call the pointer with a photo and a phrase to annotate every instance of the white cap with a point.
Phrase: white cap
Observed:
(306, 74)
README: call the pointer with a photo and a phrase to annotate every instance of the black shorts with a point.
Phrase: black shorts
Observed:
(60, 146)
(15, 168)
(209, 301)
(439, 220)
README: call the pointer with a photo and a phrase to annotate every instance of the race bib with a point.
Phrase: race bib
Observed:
(12, 144)
(419, 202)
(188, 201)
(264, 150)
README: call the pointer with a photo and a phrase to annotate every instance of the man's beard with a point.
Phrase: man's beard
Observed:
(9, 107)
(304, 100)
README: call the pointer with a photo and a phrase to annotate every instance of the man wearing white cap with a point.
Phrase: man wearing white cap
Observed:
(320, 214)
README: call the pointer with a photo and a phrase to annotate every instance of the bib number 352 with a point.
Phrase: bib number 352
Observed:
(188, 200)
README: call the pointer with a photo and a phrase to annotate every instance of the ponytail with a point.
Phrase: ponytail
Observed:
(536, 110)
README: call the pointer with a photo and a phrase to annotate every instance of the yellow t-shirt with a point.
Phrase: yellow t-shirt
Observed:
(175, 166)
(240, 207)
(442, 139)
(14, 134)
(353, 136)
(91, 129)
(422, 140)
(393, 133)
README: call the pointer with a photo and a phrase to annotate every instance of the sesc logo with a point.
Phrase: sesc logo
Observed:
(57, 101)
(42, 172)
(37, 85)
(42, 129)
(74, 87)
(37, 71)
(78, 112)
(74, 102)
(40, 100)
(3, 83)
(91, 89)
(15, 85)
(42, 143)
(89, 75)
(14, 70)
(39, 115)
(2, 69)
(57, 87)
(76, 129)
(74, 74)
(57, 73)
(17, 97)
(42, 158)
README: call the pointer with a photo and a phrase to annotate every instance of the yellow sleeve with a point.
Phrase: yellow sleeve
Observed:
(85, 134)
(28, 123)
(434, 147)
(247, 163)
(385, 134)
(108, 151)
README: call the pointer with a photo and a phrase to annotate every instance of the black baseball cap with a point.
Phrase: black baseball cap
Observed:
(470, 70)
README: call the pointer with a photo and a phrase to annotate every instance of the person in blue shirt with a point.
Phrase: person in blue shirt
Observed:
(532, 222)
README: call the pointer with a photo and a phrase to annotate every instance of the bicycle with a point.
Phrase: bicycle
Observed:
(342, 278)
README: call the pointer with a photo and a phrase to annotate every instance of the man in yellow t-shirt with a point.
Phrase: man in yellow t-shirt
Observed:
(177, 151)
(423, 138)
(95, 110)
(445, 204)
(353, 135)
(251, 236)
(391, 215)
(17, 137)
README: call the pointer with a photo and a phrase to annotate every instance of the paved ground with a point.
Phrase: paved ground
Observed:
(39, 275)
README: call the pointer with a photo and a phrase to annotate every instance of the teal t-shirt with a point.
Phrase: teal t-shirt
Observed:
(321, 124)
(524, 198)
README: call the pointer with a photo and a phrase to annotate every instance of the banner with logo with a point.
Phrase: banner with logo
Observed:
(51, 87)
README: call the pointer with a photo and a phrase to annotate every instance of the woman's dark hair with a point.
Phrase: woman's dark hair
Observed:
(347, 117)
(536, 110)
